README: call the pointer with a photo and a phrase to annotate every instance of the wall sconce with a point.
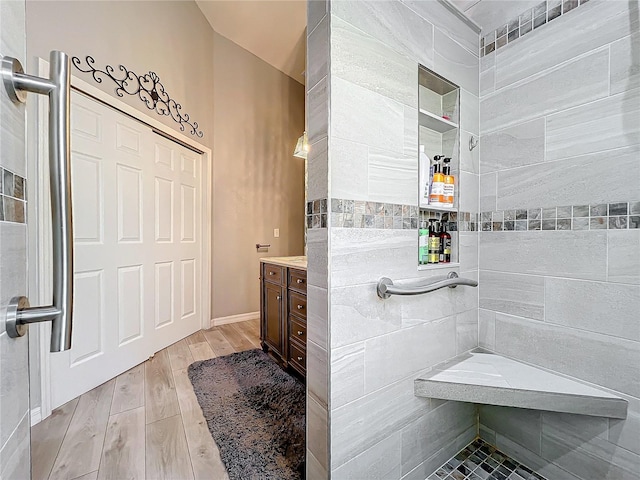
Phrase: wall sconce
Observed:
(302, 147)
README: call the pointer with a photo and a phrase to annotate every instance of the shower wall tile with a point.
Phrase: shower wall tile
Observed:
(355, 317)
(317, 248)
(468, 195)
(317, 111)
(317, 316)
(572, 181)
(361, 424)
(380, 462)
(401, 354)
(466, 331)
(469, 160)
(469, 112)
(378, 120)
(487, 81)
(434, 429)
(317, 430)
(454, 62)
(569, 85)
(607, 308)
(318, 53)
(575, 254)
(13, 387)
(515, 146)
(487, 329)
(589, 27)
(468, 247)
(393, 177)
(588, 457)
(582, 425)
(349, 169)
(361, 59)
(514, 294)
(520, 425)
(488, 191)
(601, 359)
(447, 22)
(626, 433)
(623, 259)
(625, 64)
(317, 373)
(392, 23)
(347, 374)
(15, 453)
(391, 253)
(318, 170)
(606, 124)
(316, 10)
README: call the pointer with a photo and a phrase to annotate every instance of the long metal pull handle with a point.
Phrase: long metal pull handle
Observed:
(58, 88)
(386, 288)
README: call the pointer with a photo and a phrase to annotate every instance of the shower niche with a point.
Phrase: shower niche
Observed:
(438, 167)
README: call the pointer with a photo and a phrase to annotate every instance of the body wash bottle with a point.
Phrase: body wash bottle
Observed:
(436, 197)
(448, 187)
(425, 176)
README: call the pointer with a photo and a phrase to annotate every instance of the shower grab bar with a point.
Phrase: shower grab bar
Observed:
(58, 88)
(386, 288)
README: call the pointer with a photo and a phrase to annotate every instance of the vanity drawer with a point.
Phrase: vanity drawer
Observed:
(273, 273)
(298, 280)
(298, 305)
(297, 357)
(297, 329)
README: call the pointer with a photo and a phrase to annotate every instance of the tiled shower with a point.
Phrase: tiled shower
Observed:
(548, 224)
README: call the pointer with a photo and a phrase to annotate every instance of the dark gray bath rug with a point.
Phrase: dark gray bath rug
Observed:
(256, 414)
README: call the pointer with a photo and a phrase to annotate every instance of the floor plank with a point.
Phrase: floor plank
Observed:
(201, 351)
(180, 355)
(218, 342)
(159, 389)
(46, 438)
(248, 331)
(196, 337)
(129, 390)
(89, 476)
(167, 455)
(205, 456)
(85, 434)
(236, 338)
(124, 446)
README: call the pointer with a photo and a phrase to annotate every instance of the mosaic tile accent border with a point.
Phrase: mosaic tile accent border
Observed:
(12, 197)
(528, 21)
(346, 213)
(481, 461)
(612, 216)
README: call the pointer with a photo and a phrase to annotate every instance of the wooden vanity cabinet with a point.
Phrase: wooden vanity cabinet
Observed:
(283, 312)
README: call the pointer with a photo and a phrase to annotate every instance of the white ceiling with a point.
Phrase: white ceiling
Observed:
(273, 30)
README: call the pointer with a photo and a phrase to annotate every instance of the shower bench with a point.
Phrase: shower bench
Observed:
(487, 378)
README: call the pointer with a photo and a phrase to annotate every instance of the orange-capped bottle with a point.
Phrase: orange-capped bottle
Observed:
(436, 197)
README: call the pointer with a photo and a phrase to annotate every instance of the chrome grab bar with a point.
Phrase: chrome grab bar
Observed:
(58, 88)
(386, 288)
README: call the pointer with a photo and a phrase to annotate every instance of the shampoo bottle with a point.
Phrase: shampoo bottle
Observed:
(423, 243)
(436, 197)
(448, 185)
(445, 245)
(434, 243)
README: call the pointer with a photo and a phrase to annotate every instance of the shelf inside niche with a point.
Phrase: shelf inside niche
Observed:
(433, 122)
(434, 208)
(437, 266)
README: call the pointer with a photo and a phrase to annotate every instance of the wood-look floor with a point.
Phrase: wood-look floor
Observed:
(144, 424)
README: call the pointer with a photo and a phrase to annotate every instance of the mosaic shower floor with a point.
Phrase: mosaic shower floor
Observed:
(481, 461)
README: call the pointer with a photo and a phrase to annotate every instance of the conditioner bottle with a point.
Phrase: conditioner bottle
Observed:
(434, 243)
(448, 187)
(445, 245)
(436, 198)
(423, 243)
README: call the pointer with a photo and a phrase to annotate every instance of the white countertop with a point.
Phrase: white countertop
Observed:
(293, 262)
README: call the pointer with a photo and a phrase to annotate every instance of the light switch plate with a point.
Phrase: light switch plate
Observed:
(276, 232)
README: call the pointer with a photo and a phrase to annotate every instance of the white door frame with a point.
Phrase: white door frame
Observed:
(39, 235)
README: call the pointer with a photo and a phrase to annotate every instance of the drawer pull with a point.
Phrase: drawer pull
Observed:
(299, 359)
(300, 307)
(299, 281)
(272, 273)
(278, 297)
(300, 333)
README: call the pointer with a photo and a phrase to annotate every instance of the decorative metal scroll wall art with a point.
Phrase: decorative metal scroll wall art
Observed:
(147, 88)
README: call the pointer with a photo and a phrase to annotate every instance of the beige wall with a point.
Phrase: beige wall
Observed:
(258, 184)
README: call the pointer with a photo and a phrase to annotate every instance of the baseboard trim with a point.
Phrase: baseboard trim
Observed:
(243, 317)
(36, 415)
